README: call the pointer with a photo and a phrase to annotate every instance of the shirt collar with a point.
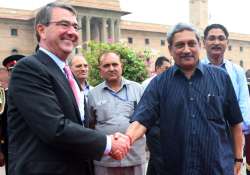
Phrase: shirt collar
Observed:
(87, 86)
(207, 61)
(199, 68)
(124, 83)
(61, 64)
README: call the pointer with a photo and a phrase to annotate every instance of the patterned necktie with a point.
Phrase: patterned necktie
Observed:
(72, 82)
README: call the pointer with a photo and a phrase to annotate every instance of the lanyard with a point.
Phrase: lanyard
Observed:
(120, 98)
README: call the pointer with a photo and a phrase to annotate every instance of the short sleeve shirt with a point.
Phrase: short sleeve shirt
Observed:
(112, 112)
(194, 116)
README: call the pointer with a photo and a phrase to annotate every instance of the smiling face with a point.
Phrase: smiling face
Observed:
(60, 36)
(215, 44)
(185, 50)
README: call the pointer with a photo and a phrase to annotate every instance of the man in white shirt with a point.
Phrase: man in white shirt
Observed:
(216, 42)
(162, 63)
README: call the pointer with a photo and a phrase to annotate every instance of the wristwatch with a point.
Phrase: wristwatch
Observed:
(238, 160)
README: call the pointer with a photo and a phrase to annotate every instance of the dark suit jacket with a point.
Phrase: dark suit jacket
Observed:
(45, 130)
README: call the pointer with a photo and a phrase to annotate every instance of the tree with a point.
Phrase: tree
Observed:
(133, 67)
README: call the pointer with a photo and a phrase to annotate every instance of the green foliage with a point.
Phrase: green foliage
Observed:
(133, 69)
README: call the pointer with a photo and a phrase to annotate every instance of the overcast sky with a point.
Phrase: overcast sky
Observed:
(234, 14)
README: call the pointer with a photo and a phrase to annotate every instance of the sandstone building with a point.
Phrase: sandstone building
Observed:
(101, 21)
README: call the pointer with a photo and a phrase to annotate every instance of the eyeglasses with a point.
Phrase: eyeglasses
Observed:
(213, 38)
(65, 24)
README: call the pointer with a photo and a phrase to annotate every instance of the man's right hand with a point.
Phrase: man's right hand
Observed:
(2, 163)
(120, 146)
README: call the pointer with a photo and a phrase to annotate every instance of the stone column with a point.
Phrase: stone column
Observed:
(117, 31)
(88, 18)
(104, 30)
(95, 30)
(79, 20)
(112, 30)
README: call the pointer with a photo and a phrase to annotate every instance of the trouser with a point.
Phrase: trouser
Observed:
(132, 170)
(155, 163)
(5, 152)
(247, 153)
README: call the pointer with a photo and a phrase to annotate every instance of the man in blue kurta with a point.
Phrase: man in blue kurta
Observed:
(200, 119)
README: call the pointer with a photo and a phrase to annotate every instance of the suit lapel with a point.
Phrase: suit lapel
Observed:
(54, 70)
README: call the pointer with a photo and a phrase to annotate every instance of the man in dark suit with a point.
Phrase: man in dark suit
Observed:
(45, 114)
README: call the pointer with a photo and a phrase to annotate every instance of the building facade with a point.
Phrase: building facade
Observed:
(101, 21)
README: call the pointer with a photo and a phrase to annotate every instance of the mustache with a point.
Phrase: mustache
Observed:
(112, 71)
(216, 47)
(187, 55)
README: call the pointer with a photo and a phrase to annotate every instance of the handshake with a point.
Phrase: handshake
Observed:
(121, 145)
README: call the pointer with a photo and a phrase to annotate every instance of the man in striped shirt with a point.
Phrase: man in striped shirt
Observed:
(195, 103)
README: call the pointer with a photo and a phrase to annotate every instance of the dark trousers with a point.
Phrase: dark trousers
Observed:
(156, 163)
(247, 152)
(5, 152)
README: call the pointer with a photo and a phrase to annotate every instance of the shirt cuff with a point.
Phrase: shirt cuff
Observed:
(245, 128)
(108, 145)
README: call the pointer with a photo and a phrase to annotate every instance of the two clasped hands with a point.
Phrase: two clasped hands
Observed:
(121, 145)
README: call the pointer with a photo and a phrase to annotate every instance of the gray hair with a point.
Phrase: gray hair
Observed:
(72, 56)
(179, 28)
(44, 14)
